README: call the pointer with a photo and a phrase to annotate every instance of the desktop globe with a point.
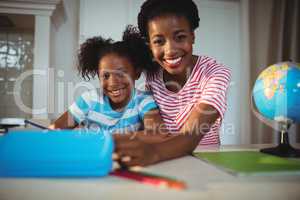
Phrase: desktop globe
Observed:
(277, 92)
(276, 95)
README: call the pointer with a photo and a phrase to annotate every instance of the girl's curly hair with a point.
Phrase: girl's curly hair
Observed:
(132, 46)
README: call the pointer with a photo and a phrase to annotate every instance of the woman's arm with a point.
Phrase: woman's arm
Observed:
(155, 144)
(65, 121)
(202, 117)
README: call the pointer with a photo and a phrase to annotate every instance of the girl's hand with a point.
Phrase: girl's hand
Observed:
(65, 121)
(51, 127)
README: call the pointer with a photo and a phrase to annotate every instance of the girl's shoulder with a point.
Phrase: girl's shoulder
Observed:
(142, 99)
(142, 94)
(93, 95)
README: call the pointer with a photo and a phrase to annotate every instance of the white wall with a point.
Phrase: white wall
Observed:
(108, 19)
(219, 36)
(64, 45)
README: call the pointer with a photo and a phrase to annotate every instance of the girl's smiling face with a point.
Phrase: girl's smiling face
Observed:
(171, 41)
(117, 77)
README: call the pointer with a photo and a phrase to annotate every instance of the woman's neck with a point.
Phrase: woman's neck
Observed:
(174, 82)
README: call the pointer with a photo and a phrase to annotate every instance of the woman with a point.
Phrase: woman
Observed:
(190, 90)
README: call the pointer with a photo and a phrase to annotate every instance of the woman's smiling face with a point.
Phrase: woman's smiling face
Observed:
(171, 41)
(117, 77)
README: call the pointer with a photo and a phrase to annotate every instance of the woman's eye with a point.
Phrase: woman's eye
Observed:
(105, 75)
(181, 37)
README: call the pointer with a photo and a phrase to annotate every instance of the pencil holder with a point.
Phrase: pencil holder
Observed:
(55, 153)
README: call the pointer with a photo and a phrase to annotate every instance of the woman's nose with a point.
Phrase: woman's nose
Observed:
(170, 48)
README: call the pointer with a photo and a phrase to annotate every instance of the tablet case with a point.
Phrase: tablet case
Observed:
(55, 153)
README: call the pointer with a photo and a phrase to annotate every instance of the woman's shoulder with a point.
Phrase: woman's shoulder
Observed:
(210, 66)
(151, 76)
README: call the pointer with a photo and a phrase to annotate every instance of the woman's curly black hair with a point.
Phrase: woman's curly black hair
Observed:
(132, 46)
(154, 8)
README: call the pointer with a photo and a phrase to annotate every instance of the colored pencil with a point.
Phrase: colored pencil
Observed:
(146, 178)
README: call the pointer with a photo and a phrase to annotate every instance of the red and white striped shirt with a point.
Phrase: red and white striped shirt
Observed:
(207, 83)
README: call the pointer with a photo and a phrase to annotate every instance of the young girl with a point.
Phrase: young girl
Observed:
(190, 90)
(117, 107)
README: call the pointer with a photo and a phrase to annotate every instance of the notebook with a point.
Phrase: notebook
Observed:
(251, 163)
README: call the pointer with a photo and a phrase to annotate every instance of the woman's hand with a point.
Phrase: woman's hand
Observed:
(142, 147)
(145, 149)
(133, 149)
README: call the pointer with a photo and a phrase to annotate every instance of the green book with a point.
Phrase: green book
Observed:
(250, 163)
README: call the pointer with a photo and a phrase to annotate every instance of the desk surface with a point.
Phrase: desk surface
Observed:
(204, 181)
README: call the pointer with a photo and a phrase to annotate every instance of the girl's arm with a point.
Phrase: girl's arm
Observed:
(154, 144)
(65, 121)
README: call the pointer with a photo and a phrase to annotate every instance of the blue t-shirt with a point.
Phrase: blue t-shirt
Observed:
(94, 110)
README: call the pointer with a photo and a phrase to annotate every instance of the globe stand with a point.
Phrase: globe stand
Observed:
(284, 149)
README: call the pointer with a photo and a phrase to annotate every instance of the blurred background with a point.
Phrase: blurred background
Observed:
(39, 40)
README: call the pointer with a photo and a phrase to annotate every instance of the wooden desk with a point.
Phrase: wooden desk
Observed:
(204, 182)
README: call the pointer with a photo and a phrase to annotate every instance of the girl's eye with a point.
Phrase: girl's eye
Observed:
(157, 41)
(120, 74)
